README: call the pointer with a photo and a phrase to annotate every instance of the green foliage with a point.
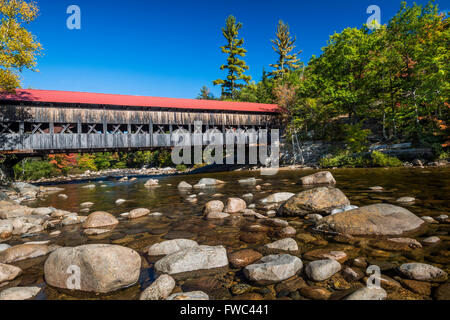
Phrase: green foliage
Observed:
(356, 137)
(205, 94)
(181, 167)
(235, 66)
(444, 155)
(347, 159)
(34, 170)
(380, 159)
(164, 158)
(19, 48)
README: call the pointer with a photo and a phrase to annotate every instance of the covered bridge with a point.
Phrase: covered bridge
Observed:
(43, 121)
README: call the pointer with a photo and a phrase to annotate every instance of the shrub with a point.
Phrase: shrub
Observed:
(348, 160)
(382, 160)
(34, 170)
(181, 167)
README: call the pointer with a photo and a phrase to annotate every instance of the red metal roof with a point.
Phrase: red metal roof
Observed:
(51, 96)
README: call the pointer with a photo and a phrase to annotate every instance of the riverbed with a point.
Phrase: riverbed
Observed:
(184, 219)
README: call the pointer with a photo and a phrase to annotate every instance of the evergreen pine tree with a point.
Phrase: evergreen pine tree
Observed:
(235, 66)
(283, 45)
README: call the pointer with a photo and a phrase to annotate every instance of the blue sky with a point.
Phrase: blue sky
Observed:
(170, 48)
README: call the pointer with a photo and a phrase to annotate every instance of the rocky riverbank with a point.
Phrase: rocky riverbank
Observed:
(314, 244)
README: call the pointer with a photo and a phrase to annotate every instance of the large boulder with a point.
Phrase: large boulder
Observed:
(377, 219)
(273, 268)
(160, 289)
(103, 268)
(235, 205)
(277, 197)
(170, 246)
(100, 219)
(320, 200)
(324, 177)
(23, 252)
(192, 259)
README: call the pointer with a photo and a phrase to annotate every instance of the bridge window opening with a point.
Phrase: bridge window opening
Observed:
(65, 128)
(117, 128)
(92, 128)
(162, 129)
(36, 128)
(140, 128)
(9, 127)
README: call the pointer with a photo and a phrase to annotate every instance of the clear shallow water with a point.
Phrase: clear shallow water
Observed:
(181, 219)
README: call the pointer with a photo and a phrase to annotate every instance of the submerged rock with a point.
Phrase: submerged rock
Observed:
(324, 177)
(277, 197)
(19, 293)
(152, 183)
(287, 244)
(193, 295)
(376, 219)
(104, 268)
(170, 246)
(184, 185)
(423, 272)
(138, 213)
(192, 259)
(406, 200)
(367, 293)
(243, 258)
(273, 268)
(160, 289)
(23, 252)
(320, 200)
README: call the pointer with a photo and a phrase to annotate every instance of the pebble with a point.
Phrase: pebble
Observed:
(193, 295)
(431, 241)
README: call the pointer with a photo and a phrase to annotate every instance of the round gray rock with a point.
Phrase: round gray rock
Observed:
(192, 259)
(273, 268)
(170, 246)
(423, 272)
(321, 270)
(103, 268)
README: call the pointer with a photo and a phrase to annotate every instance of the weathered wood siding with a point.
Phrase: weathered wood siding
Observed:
(114, 116)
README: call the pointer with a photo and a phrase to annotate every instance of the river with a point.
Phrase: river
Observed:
(182, 219)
